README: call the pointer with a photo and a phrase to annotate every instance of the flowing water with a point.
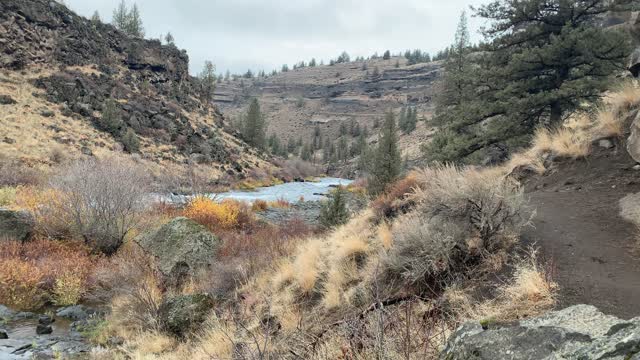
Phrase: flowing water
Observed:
(291, 192)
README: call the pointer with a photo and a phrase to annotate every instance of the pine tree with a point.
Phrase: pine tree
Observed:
(254, 126)
(110, 120)
(130, 141)
(96, 17)
(169, 39)
(121, 16)
(386, 55)
(544, 60)
(134, 24)
(207, 79)
(387, 162)
(312, 63)
(285, 68)
(334, 211)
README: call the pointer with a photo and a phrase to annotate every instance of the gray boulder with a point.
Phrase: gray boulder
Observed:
(181, 315)
(16, 225)
(633, 142)
(577, 332)
(181, 247)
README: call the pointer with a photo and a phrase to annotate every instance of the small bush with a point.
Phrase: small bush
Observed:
(100, 200)
(42, 270)
(334, 211)
(259, 205)
(7, 196)
(396, 197)
(225, 215)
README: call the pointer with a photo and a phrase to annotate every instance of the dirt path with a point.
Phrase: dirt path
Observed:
(579, 229)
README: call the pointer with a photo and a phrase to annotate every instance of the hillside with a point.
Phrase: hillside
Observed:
(59, 70)
(294, 102)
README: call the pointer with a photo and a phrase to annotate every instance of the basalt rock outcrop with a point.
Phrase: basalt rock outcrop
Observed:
(78, 64)
(578, 332)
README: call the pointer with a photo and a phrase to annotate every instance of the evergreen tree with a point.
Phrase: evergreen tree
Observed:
(110, 120)
(402, 118)
(387, 162)
(130, 141)
(306, 152)
(254, 126)
(317, 137)
(96, 17)
(285, 68)
(134, 24)
(207, 79)
(312, 63)
(544, 60)
(169, 39)
(121, 16)
(386, 55)
(397, 64)
(334, 211)
(291, 146)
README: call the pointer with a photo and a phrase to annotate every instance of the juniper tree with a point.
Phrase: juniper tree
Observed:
(96, 17)
(110, 120)
(207, 79)
(254, 126)
(387, 162)
(169, 39)
(130, 141)
(334, 211)
(543, 59)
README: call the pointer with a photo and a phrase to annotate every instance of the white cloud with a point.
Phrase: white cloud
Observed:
(264, 34)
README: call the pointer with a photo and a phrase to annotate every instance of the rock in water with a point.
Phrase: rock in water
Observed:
(181, 246)
(15, 225)
(577, 332)
(43, 329)
(183, 314)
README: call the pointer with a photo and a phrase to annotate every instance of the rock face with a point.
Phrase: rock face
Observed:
(154, 94)
(15, 225)
(181, 246)
(633, 142)
(183, 314)
(634, 63)
(577, 332)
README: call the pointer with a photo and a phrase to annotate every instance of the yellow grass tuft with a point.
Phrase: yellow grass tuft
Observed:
(562, 142)
(307, 265)
(625, 98)
(385, 236)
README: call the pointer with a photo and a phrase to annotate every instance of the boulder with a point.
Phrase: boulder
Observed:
(43, 329)
(577, 332)
(75, 312)
(6, 100)
(181, 247)
(633, 142)
(181, 315)
(16, 225)
(3, 335)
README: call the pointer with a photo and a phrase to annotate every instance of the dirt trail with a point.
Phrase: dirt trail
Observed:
(579, 229)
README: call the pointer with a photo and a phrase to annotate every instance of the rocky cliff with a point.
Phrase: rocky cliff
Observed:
(57, 71)
(294, 102)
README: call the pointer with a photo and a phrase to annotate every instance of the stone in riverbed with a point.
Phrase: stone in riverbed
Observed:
(43, 329)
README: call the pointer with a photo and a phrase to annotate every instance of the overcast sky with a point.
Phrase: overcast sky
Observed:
(264, 34)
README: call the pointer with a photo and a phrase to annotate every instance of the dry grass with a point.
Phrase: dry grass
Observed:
(565, 142)
(625, 98)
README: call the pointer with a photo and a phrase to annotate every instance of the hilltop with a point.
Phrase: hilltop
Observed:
(58, 73)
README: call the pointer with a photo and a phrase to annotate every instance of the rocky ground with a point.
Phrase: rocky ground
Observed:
(26, 335)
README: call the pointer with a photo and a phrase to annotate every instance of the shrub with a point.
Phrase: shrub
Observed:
(7, 196)
(259, 205)
(13, 173)
(35, 272)
(396, 197)
(227, 214)
(460, 216)
(334, 211)
(130, 141)
(101, 200)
